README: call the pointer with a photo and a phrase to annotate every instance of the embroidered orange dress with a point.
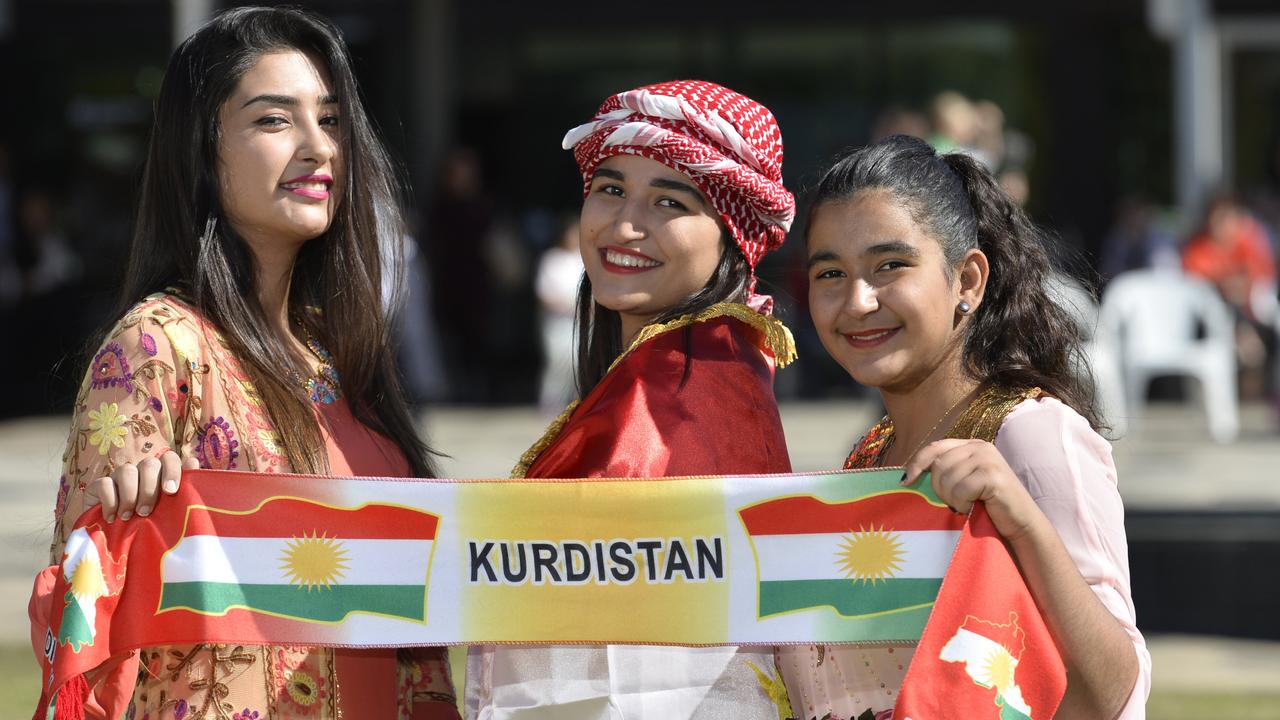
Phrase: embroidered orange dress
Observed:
(164, 379)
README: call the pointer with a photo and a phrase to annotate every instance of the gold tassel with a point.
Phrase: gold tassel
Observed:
(776, 691)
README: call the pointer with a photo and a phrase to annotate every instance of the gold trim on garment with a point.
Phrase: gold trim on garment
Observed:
(981, 420)
(777, 340)
(984, 416)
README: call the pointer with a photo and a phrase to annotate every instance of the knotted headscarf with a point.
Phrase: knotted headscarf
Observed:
(727, 143)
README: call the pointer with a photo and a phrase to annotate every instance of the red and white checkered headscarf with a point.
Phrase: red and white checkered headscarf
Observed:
(727, 143)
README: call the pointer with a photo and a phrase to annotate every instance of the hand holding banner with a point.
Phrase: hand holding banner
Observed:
(359, 562)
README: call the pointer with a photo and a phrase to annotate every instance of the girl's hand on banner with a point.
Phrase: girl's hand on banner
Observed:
(964, 471)
(134, 489)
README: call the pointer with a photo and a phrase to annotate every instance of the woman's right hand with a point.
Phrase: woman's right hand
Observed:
(134, 489)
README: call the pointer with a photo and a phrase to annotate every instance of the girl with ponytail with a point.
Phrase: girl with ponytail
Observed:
(928, 283)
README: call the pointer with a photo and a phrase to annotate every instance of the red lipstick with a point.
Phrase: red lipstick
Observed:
(626, 261)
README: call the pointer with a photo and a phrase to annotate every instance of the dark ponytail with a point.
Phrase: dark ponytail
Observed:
(1019, 337)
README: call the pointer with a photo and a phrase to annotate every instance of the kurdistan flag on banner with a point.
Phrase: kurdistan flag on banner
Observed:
(876, 555)
(87, 580)
(297, 558)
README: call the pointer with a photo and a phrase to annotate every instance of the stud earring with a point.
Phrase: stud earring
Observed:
(964, 308)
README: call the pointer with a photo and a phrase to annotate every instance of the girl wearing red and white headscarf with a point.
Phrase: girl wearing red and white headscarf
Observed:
(682, 195)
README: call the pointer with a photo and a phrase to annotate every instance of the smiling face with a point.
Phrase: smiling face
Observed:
(649, 238)
(278, 160)
(882, 295)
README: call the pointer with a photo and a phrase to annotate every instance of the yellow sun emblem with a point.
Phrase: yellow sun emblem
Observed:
(870, 554)
(999, 669)
(314, 561)
(86, 579)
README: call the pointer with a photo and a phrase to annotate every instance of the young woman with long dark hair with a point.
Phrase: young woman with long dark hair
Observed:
(928, 283)
(676, 353)
(252, 336)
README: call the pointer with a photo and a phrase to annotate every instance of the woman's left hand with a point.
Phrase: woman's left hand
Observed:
(963, 471)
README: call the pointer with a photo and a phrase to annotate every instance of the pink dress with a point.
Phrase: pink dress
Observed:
(164, 379)
(1068, 470)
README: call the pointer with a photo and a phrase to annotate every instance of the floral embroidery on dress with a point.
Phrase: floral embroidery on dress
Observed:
(299, 682)
(303, 689)
(110, 369)
(268, 451)
(148, 342)
(107, 427)
(178, 398)
(246, 714)
(216, 446)
(184, 343)
(60, 504)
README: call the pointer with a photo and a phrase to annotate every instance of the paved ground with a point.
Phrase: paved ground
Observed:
(1165, 463)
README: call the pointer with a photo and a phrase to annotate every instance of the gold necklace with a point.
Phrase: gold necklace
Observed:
(927, 435)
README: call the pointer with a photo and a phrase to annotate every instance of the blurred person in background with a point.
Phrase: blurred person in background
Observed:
(898, 120)
(1232, 251)
(251, 336)
(48, 284)
(956, 125)
(682, 196)
(988, 138)
(559, 274)
(1005, 151)
(459, 224)
(1137, 240)
(50, 262)
(418, 341)
(928, 283)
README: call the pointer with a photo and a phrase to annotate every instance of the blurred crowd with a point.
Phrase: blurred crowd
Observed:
(492, 285)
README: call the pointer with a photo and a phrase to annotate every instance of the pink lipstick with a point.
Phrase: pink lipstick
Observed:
(315, 186)
(870, 338)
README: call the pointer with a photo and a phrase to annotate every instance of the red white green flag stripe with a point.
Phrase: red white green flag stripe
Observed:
(299, 559)
(877, 555)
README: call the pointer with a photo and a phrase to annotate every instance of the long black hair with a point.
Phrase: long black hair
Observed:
(1018, 336)
(182, 237)
(599, 329)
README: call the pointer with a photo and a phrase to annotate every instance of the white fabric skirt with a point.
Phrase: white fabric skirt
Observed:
(618, 682)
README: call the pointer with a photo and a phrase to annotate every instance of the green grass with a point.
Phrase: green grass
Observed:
(19, 680)
(1170, 705)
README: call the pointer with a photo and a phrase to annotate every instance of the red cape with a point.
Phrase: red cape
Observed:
(696, 400)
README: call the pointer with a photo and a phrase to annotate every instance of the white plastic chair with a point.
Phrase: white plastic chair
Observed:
(1162, 322)
(1099, 355)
